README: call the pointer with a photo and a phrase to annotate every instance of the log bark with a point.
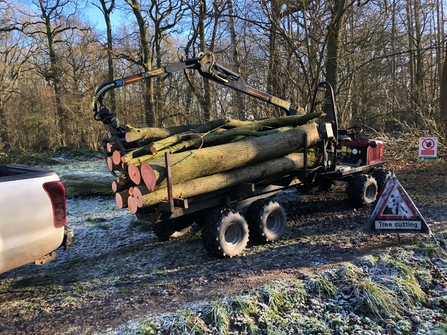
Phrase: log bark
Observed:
(135, 134)
(189, 165)
(291, 120)
(260, 171)
(175, 138)
(86, 184)
(198, 141)
(166, 142)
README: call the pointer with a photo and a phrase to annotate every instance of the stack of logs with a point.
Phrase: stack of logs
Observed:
(204, 158)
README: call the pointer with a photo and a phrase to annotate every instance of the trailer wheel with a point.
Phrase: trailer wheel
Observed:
(225, 233)
(381, 176)
(267, 220)
(362, 190)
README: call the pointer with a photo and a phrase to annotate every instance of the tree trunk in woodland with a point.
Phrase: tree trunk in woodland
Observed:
(52, 30)
(206, 98)
(333, 42)
(443, 95)
(274, 78)
(234, 45)
(145, 62)
(106, 11)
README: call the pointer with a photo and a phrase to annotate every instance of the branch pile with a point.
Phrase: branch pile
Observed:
(204, 158)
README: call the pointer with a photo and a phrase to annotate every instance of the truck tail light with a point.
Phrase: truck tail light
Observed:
(56, 193)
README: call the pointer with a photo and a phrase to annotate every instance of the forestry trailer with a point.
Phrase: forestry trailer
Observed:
(335, 155)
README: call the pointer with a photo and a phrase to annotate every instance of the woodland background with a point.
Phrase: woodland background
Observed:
(386, 60)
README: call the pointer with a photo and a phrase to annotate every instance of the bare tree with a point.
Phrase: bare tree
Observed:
(443, 95)
(236, 61)
(164, 16)
(15, 53)
(50, 23)
(106, 7)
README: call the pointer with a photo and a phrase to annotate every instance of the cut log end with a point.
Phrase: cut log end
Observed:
(115, 186)
(109, 163)
(116, 157)
(129, 138)
(148, 175)
(109, 147)
(132, 205)
(138, 193)
(121, 199)
(134, 174)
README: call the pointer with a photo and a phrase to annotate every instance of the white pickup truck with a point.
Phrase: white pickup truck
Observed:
(32, 216)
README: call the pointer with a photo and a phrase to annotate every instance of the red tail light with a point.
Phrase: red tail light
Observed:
(56, 193)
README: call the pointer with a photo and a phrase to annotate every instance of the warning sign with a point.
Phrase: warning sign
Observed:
(428, 148)
(395, 212)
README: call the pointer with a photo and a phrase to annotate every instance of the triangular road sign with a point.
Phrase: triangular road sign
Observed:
(395, 212)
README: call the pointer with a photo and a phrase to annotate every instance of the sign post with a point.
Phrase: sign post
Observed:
(428, 148)
(395, 212)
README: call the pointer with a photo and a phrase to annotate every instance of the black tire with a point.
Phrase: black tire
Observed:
(173, 228)
(163, 230)
(362, 190)
(267, 220)
(225, 233)
(381, 176)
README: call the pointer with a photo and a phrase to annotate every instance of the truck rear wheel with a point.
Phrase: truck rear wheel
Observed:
(362, 190)
(267, 220)
(225, 233)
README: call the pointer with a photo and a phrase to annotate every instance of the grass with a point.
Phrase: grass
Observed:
(321, 285)
(142, 226)
(380, 293)
(373, 298)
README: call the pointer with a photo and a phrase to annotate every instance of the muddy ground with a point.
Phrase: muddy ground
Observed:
(118, 271)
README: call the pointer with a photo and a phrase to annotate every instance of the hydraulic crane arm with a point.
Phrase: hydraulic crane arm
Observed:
(206, 66)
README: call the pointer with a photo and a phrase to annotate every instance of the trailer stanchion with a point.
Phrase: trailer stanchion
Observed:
(169, 182)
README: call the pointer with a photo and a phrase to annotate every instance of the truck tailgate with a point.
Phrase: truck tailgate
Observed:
(27, 231)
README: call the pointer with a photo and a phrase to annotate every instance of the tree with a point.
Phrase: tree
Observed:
(106, 7)
(235, 51)
(49, 25)
(443, 95)
(14, 55)
(145, 60)
(164, 16)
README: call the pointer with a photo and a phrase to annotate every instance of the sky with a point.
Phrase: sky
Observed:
(95, 16)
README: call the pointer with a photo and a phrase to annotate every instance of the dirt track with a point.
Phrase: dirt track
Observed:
(118, 271)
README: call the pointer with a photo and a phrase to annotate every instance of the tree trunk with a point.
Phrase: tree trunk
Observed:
(145, 62)
(106, 11)
(443, 95)
(236, 62)
(333, 42)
